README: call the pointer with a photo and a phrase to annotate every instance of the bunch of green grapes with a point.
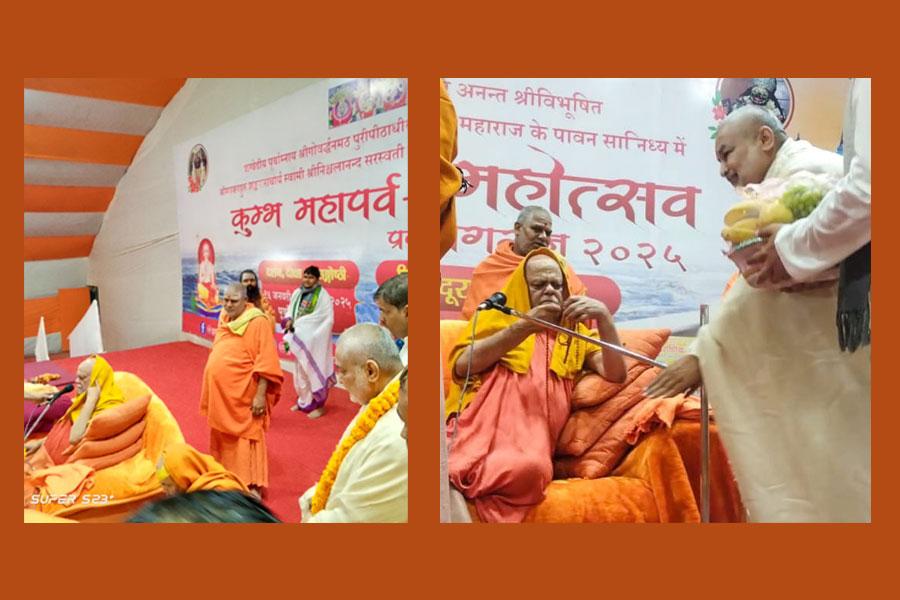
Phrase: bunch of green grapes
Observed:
(801, 200)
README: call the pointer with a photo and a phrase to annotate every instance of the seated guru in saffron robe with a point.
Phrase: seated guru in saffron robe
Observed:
(533, 227)
(241, 385)
(518, 399)
(96, 391)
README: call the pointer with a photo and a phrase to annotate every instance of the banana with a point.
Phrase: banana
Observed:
(741, 230)
(742, 210)
(775, 212)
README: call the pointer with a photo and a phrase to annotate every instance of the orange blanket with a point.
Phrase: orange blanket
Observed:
(230, 380)
(658, 482)
(492, 273)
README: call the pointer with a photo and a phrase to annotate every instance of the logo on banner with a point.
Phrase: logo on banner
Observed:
(197, 169)
(773, 94)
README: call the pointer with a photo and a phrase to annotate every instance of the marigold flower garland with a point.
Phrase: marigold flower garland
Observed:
(375, 409)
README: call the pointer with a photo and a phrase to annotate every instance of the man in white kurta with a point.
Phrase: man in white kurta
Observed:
(308, 324)
(789, 404)
(371, 483)
(836, 229)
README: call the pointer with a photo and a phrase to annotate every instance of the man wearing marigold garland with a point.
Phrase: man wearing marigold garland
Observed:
(365, 480)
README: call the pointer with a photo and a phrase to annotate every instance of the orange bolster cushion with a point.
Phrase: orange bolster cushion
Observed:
(111, 460)
(586, 426)
(591, 389)
(604, 455)
(99, 448)
(113, 421)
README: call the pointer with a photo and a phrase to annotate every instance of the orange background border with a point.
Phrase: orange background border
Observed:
(425, 558)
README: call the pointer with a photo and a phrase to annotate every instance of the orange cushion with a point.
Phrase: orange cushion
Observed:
(450, 333)
(592, 389)
(109, 460)
(588, 425)
(113, 421)
(97, 448)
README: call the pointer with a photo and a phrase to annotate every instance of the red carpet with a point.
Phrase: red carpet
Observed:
(298, 446)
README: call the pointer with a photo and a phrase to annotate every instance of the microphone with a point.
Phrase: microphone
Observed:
(32, 426)
(61, 392)
(496, 300)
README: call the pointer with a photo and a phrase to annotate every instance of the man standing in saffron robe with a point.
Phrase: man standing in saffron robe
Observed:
(533, 228)
(241, 385)
(255, 296)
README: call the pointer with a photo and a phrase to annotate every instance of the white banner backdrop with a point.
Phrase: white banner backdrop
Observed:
(626, 167)
(317, 177)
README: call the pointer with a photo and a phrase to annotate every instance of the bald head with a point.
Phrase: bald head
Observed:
(368, 341)
(747, 120)
(236, 289)
(83, 374)
(234, 301)
(747, 141)
(526, 213)
(533, 228)
(546, 284)
(365, 360)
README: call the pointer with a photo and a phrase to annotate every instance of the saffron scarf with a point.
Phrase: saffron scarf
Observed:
(110, 395)
(568, 355)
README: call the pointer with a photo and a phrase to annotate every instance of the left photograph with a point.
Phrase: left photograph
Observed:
(215, 300)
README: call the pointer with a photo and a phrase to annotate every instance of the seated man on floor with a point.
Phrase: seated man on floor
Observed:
(532, 228)
(96, 391)
(181, 468)
(365, 480)
(503, 432)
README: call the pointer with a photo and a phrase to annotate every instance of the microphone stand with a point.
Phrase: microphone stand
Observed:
(41, 416)
(704, 436)
(513, 312)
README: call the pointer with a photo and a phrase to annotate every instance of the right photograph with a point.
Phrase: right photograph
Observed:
(655, 300)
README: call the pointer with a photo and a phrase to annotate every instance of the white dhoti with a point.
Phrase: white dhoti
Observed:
(792, 410)
(310, 345)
